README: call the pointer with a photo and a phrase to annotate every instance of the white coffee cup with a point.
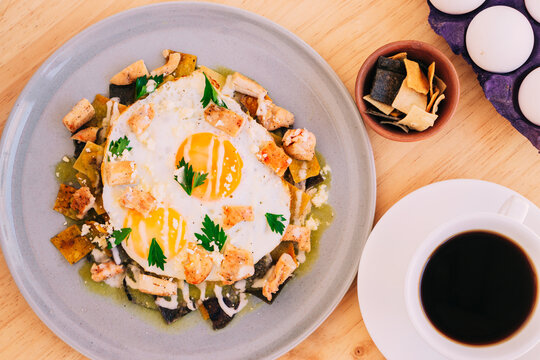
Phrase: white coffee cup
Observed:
(509, 223)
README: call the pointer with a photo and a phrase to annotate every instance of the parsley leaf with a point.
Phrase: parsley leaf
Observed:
(211, 94)
(213, 236)
(155, 255)
(117, 147)
(141, 83)
(275, 221)
(191, 179)
(118, 236)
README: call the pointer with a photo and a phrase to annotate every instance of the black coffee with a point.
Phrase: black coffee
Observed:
(478, 288)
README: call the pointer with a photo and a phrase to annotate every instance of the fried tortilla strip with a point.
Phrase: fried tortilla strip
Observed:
(415, 79)
(72, 245)
(418, 119)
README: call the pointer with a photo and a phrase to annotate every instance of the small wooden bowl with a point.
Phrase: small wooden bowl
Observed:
(425, 53)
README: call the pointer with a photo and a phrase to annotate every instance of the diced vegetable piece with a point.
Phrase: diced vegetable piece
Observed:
(72, 245)
(302, 169)
(187, 65)
(274, 157)
(82, 201)
(130, 73)
(79, 115)
(301, 235)
(89, 162)
(63, 201)
(214, 75)
(281, 272)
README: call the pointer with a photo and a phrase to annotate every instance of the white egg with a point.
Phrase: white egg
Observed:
(529, 96)
(533, 7)
(456, 7)
(236, 177)
(499, 39)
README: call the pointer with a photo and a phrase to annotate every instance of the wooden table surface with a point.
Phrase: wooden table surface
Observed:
(478, 143)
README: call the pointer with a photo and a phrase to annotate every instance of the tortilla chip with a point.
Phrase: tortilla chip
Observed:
(386, 109)
(381, 115)
(386, 85)
(431, 74)
(395, 123)
(418, 119)
(407, 97)
(436, 104)
(440, 84)
(416, 79)
(432, 100)
(399, 56)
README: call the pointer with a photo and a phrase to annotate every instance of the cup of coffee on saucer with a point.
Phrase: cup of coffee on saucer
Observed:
(471, 288)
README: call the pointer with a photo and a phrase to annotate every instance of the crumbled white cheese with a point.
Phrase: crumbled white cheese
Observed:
(301, 257)
(320, 197)
(85, 229)
(150, 86)
(66, 159)
(312, 223)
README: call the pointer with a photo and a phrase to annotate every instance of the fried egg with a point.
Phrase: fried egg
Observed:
(235, 177)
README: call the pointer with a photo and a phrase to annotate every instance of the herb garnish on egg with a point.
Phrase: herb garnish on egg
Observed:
(144, 86)
(211, 94)
(213, 237)
(117, 147)
(118, 236)
(275, 221)
(190, 179)
(155, 255)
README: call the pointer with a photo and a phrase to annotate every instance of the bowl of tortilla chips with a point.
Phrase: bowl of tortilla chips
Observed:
(407, 90)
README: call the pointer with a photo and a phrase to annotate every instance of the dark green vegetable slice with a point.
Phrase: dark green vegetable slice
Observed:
(219, 318)
(258, 292)
(171, 315)
(126, 93)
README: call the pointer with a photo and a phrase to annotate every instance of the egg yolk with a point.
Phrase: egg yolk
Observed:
(218, 158)
(165, 225)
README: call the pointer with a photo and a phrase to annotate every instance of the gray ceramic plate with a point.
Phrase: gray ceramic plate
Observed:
(34, 139)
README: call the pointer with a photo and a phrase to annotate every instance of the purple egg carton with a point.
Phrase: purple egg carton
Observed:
(500, 89)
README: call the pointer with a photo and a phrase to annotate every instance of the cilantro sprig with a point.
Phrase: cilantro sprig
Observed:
(118, 236)
(141, 83)
(155, 255)
(276, 222)
(213, 236)
(117, 147)
(190, 179)
(210, 94)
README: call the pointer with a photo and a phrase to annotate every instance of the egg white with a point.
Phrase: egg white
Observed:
(179, 114)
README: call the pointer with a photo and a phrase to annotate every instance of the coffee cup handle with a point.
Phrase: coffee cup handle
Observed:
(519, 209)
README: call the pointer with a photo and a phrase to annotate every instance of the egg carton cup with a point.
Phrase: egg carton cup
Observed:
(500, 89)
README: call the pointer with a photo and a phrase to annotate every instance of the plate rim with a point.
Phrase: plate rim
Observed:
(15, 124)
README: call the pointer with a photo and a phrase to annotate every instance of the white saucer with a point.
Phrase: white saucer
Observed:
(392, 243)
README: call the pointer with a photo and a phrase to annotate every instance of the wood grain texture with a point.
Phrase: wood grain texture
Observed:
(477, 143)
